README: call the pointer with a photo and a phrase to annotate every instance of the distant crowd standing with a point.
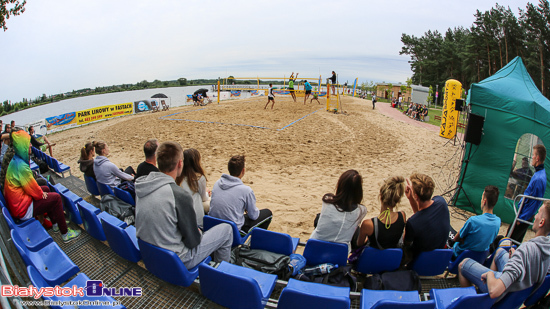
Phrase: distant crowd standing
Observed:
(172, 200)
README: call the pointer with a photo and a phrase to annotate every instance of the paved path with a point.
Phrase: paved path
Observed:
(386, 109)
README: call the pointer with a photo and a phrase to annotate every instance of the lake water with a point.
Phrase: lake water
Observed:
(177, 97)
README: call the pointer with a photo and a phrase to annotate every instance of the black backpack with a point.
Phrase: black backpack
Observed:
(402, 280)
(118, 208)
(261, 260)
(340, 276)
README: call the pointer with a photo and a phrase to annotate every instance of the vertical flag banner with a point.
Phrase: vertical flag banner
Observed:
(354, 86)
(449, 115)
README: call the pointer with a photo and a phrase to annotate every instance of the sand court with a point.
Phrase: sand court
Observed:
(291, 169)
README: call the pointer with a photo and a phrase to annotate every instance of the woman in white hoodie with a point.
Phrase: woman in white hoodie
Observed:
(342, 212)
(107, 172)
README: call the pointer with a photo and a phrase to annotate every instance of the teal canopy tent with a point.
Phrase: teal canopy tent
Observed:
(512, 106)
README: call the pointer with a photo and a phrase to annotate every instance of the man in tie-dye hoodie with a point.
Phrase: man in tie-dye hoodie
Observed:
(25, 198)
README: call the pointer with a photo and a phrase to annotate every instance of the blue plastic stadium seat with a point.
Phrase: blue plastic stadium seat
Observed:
(80, 281)
(2, 199)
(318, 252)
(432, 263)
(34, 166)
(33, 234)
(460, 298)
(513, 300)
(122, 241)
(209, 222)
(59, 167)
(91, 219)
(375, 299)
(375, 261)
(50, 261)
(124, 196)
(49, 161)
(166, 264)
(478, 256)
(308, 295)
(234, 286)
(104, 189)
(539, 293)
(273, 241)
(69, 203)
(91, 185)
(57, 188)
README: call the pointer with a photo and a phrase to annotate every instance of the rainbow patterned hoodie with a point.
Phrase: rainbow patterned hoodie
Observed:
(20, 188)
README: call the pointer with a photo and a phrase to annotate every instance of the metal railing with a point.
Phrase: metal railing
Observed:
(517, 210)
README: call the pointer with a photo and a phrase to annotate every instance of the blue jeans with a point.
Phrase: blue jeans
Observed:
(473, 270)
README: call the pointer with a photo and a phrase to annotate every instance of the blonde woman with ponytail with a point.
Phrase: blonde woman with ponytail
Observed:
(385, 230)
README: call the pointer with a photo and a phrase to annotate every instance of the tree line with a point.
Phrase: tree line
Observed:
(473, 54)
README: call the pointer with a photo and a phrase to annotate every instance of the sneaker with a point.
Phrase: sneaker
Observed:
(505, 243)
(71, 234)
(55, 227)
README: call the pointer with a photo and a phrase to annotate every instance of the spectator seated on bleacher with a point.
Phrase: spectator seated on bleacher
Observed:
(24, 197)
(165, 216)
(107, 172)
(193, 181)
(479, 232)
(428, 228)
(515, 270)
(234, 201)
(385, 230)
(342, 212)
(86, 160)
(5, 141)
(38, 144)
(150, 163)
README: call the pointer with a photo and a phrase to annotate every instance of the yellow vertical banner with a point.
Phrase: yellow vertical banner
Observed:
(449, 115)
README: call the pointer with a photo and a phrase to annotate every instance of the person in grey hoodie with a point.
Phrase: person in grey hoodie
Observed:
(234, 201)
(107, 172)
(515, 270)
(165, 216)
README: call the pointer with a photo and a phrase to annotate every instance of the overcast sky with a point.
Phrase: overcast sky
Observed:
(60, 45)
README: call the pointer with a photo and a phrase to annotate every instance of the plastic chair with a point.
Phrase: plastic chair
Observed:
(2, 199)
(375, 261)
(50, 261)
(124, 196)
(91, 219)
(69, 202)
(34, 166)
(33, 235)
(123, 241)
(18, 222)
(91, 185)
(478, 256)
(318, 252)
(375, 299)
(513, 300)
(80, 281)
(460, 298)
(166, 264)
(59, 167)
(539, 293)
(432, 263)
(394, 304)
(273, 241)
(57, 188)
(234, 286)
(305, 295)
(49, 161)
(104, 189)
(208, 222)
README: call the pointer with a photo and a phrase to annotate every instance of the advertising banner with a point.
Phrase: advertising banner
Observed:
(104, 112)
(39, 126)
(142, 106)
(61, 122)
(449, 115)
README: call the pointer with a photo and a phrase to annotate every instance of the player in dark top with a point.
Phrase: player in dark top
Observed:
(333, 81)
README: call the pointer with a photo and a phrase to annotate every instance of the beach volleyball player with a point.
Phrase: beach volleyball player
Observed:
(270, 97)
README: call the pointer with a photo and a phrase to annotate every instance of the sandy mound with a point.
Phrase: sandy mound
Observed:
(290, 169)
